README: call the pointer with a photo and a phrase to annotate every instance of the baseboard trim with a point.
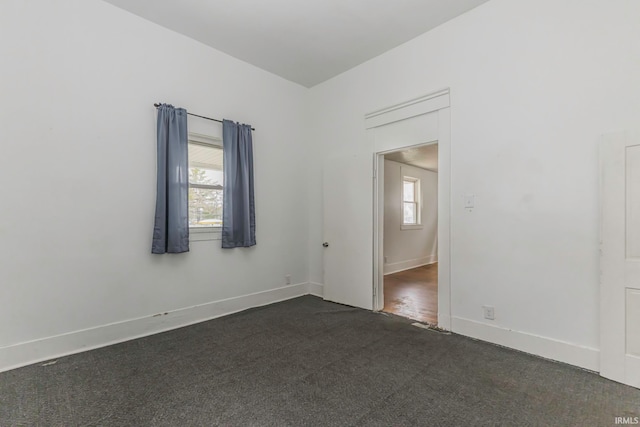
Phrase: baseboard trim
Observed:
(316, 289)
(397, 267)
(27, 353)
(561, 351)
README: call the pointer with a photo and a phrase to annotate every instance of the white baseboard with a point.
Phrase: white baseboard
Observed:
(396, 267)
(316, 289)
(27, 353)
(584, 357)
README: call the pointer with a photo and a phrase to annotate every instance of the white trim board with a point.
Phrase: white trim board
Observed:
(316, 289)
(415, 107)
(27, 353)
(396, 267)
(561, 351)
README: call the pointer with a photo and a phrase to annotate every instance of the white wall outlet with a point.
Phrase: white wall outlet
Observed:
(489, 312)
(385, 260)
(287, 279)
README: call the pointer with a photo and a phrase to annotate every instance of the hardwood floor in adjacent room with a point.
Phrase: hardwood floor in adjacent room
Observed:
(413, 293)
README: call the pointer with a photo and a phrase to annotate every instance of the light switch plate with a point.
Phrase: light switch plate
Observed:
(469, 201)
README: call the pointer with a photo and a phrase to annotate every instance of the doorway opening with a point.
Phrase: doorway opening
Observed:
(409, 223)
(421, 121)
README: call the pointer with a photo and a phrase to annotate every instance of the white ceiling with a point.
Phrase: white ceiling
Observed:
(305, 41)
(425, 157)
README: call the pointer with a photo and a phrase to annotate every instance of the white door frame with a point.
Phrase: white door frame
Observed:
(436, 127)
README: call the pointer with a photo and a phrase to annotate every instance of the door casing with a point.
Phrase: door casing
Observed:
(417, 122)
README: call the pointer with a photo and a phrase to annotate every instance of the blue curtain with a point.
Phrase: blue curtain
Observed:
(238, 207)
(171, 229)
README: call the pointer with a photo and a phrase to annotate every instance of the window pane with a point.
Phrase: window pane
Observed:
(408, 188)
(205, 207)
(409, 216)
(205, 165)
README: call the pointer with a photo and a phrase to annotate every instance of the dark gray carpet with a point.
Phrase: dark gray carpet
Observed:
(306, 362)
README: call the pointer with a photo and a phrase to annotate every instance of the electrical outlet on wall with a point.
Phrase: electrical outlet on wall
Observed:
(489, 312)
(287, 279)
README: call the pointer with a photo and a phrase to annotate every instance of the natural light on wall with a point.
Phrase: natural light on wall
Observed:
(205, 182)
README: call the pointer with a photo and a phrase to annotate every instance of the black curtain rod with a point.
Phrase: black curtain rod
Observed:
(196, 115)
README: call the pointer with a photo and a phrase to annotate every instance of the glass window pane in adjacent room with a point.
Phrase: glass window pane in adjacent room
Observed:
(409, 191)
(409, 216)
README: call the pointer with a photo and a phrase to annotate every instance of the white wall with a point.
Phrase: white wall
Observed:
(533, 85)
(77, 126)
(409, 248)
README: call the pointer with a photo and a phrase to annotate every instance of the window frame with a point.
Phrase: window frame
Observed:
(205, 233)
(417, 201)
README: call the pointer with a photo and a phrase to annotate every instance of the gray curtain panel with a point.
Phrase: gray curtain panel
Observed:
(238, 206)
(171, 229)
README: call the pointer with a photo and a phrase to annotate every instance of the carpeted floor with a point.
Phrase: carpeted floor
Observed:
(306, 362)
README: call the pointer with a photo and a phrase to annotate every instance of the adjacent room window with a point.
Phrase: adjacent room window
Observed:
(205, 183)
(410, 201)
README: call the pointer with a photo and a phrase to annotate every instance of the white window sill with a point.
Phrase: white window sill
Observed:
(201, 234)
(411, 227)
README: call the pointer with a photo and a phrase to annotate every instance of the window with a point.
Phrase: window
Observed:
(410, 201)
(205, 183)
